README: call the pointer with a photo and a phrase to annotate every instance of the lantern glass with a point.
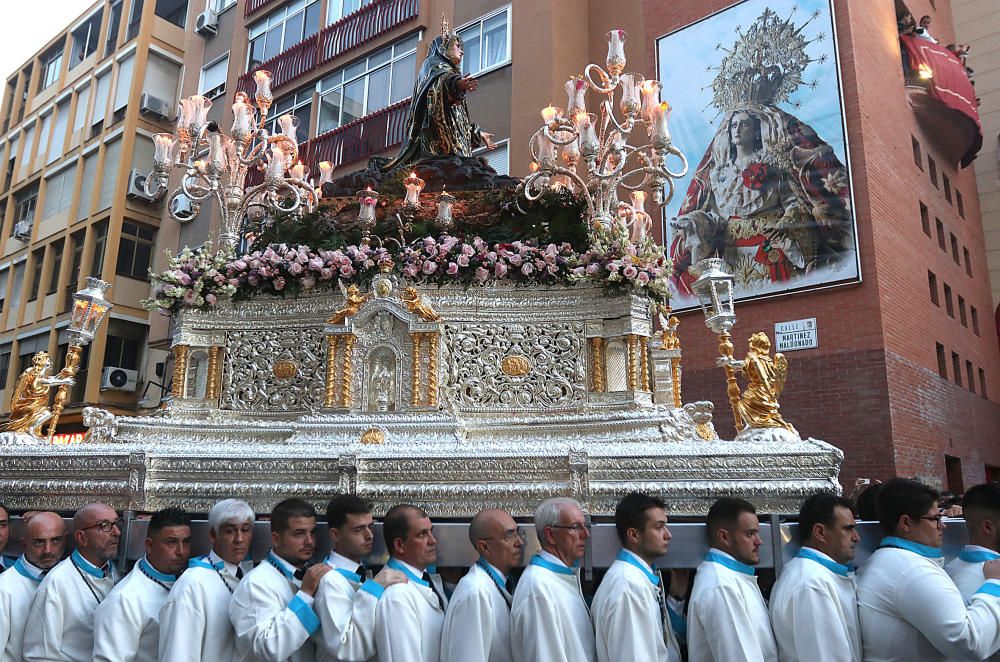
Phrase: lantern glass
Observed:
(89, 309)
(714, 288)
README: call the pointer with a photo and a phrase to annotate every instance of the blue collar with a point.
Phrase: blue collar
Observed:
(723, 559)
(977, 555)
(25, 568)
(396, 564)
(87, 566)
(205, 562)
(628, 557)
(825, 561)
(910, 546)
(155, 574)
(281, 565)
(492, 572)
(549, 565)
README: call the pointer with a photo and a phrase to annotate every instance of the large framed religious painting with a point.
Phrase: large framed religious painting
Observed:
(757, 109)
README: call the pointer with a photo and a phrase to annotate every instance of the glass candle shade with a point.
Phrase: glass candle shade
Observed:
(588, 136)
(658, 125)
(262, 78)
(414, 185)
(367, 200)
(631, 93)
(325, 172)
(163, 145)
(276, 166)
(616, 52)
(650, 97)
(576, 96)
(242, 120)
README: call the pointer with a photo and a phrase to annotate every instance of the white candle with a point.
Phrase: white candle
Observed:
(299, 171)
(650, 97)
(414, 185)
(276, 166)
(325, 172)
(631, 84)
(658, 123)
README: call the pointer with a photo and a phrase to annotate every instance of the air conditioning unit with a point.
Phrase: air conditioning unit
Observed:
(22, 230)
(207, 23)
(119, 379)
(155, 106)
(136, 186)
(183, 209)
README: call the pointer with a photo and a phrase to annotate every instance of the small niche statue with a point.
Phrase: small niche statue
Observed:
(29, 406)
(758, 405)
(438, 123)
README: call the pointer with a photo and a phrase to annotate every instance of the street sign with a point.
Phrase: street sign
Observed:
(796, 334)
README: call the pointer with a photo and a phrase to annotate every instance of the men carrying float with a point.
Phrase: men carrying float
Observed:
(409, 615)
(346, 598)
(727, 616)
(981, 508)
(44, 542)
(908, 605)
(194, 621)
(814, 610)
(272, 608)
(550, 621)
(477, 625)
(62, 609)
(127, 623)
(631, 613)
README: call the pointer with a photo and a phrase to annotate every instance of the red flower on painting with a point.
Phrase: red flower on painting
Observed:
(755, 176)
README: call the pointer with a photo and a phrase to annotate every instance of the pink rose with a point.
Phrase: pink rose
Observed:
(463, 260)
(211, 299)
(430, 267)
(500, 270)
(346, 271)
(410, 271)
(526, 268)
(316, 264)
(279, 283)
(593, 268)
(630, 272)
(452, 268)
(325, 273)
(295, 268)
(515, 260)
(482, 274)
(189, 296)
(642, 278)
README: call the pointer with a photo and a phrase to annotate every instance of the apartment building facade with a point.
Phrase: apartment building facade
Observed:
(77, 125)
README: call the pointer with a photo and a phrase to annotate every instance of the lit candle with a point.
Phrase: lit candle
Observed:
(641, 222)
(299, 171)
(639, 202)
(414, 185)
(546, 149)
(325, 172)
(571, 151)
(650, 97)
(659, 130)
(263, 79)
(276, 166)
(445, 201)
(631, 85)
(588, 137)
(367, 200)
(199, 165)
(616, 52)
(576, 100)
(549, 113)
(184, 119)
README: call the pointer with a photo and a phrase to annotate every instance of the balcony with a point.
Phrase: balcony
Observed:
(254, 6)
(285, 67)
(361, 138)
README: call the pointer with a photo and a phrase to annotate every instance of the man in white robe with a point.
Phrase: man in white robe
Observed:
(127, 623)
(409, 615)
(6, 562)
(550, 621)
(727, 616)
(44, 543)
(908, 605)
(814, 611)
(346, 598)
(194, 621)
(272, 608)
(981, 508)
(62, 609)
(477, 625)
(632, 616)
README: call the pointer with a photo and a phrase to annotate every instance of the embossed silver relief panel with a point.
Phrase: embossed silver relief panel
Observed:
(250, 383)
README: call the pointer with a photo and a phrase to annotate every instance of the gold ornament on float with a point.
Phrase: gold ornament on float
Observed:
(285, 369)
(515, 365)
(373, 436)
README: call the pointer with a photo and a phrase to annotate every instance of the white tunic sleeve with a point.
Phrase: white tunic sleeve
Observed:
(265, 628)
(116, 631)
(809, 608)
(182, 629)
(538, 628)
(730, 633)
(398, 634)
(468, 629)
(5, 618)
(627, 628)
(932, 604)
(43, 640)
(347, 617)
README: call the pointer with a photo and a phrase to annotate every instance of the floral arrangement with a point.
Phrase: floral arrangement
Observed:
(196, 278)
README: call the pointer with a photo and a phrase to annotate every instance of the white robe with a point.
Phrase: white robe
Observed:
(629, 619)
(727, 616)
(550, 621)
(911, 610)
(273, 619)
(127, 623)
(408, 619)
(477, 625)
(966, 569)
(814, 610)
(17, 586)
(345, 604)
(194, 621)
(62, 611)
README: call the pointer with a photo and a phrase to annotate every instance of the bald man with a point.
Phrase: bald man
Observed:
(477, 625)
(44, 543)
(62, 610)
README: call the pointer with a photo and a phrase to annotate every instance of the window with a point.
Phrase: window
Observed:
(968, 260)
(85, 39)
(43, 135)
(338, 9)
(954, 249)
(942, 361)
(57, 253)
(51, 65)
(100, 244)
(970, 376)
(82, 101)
(5, 351)
(123, 85)
(947, 188)
(87, 186)
(27, 347)
(961, 311)
(37, 263)
(498, 158)
(916, 153)
(487, 42)
(949, 306)
(222, 5)
(134, 20)
(975, 319)
(173, 11)
(124, 345)
(953, 474)
(932, 171)
(982, 383)
(112, 155)
(940, 233)
(26, 200)
(925, 219)
(59, 192)
(932, 284)
(78, 389)
(76, 241)
(299, 104)
(114, 21)
(4, 275)
(135, 251)
(16, 287)
(100, 101)
(282, 29)
(213, 77)
(161, 78)
(959, 203)
(58, 140)
(956, 368)
(370, 84)
(28, 144)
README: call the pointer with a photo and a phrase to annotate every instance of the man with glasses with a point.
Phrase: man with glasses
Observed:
(44, 542)
(550, 621)
(194, 621)
(477, 626)
(127, 623)
(62, 610)
(409, 615)
(908, 605)
(727, 616)
(346, 598)
(631, 612)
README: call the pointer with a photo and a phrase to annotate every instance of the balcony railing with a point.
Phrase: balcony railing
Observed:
(361, 138)
(254, 6)
(285, 67)
(363, 25)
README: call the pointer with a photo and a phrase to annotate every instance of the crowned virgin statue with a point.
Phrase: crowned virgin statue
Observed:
(439, 124)
(770, 196)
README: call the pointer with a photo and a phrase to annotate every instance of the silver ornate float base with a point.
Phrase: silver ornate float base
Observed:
(453, 399)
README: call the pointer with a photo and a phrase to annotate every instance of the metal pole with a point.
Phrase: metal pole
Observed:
(128, 516)
(776, 544)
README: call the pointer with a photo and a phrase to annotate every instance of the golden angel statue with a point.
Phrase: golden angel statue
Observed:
(416, 305)
(352, 304)
(758, 405)
(29, 406)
